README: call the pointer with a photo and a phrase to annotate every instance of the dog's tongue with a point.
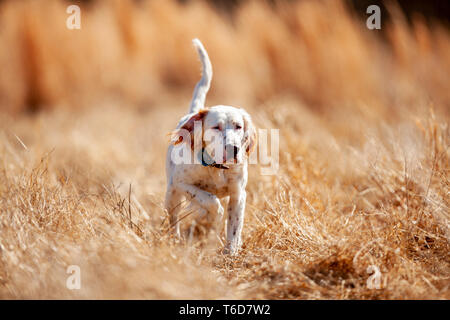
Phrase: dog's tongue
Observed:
(220, 166)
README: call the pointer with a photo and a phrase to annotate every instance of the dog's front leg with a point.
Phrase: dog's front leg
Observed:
(173, 206)
(236, 209)
(204, 198)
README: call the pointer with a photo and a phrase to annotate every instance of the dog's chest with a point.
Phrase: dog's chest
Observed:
(214, 180)
(219, 182)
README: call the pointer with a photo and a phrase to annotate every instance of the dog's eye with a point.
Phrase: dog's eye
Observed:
(216, 128)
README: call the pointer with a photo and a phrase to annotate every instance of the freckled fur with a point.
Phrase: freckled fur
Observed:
(206, 185)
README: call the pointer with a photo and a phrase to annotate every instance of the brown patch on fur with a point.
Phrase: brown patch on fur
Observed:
(189, 126)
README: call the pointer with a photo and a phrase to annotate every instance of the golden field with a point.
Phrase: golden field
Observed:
(364, 151)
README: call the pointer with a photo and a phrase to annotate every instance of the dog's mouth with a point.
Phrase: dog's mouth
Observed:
(220, 166)
(208, 161)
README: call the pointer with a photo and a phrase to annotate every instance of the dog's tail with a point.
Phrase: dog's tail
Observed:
(202, 87)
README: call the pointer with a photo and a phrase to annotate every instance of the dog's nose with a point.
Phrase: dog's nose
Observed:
(232, 151)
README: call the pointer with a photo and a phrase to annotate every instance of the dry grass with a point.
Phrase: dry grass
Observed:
(364, 155)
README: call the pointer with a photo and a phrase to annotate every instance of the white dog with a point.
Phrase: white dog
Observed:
(217, 141)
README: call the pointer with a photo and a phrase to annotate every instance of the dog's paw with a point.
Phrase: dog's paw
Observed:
(230, 250)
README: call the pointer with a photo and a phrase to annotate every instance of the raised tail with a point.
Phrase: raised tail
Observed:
(202, 87)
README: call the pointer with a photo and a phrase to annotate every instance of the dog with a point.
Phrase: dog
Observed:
(218, 159)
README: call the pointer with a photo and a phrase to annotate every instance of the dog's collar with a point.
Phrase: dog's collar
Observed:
(207, 161)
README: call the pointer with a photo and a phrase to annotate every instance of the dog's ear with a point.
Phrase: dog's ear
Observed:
(249, 141)
(177, 136)
(199, 116)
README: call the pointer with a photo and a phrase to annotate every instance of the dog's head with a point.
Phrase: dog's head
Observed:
(228, 134)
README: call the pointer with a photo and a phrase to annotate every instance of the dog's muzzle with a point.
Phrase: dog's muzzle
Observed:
(231, 152)
(207, 161)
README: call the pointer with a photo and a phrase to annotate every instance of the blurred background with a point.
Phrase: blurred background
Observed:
(139, 52)
(364, 148)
